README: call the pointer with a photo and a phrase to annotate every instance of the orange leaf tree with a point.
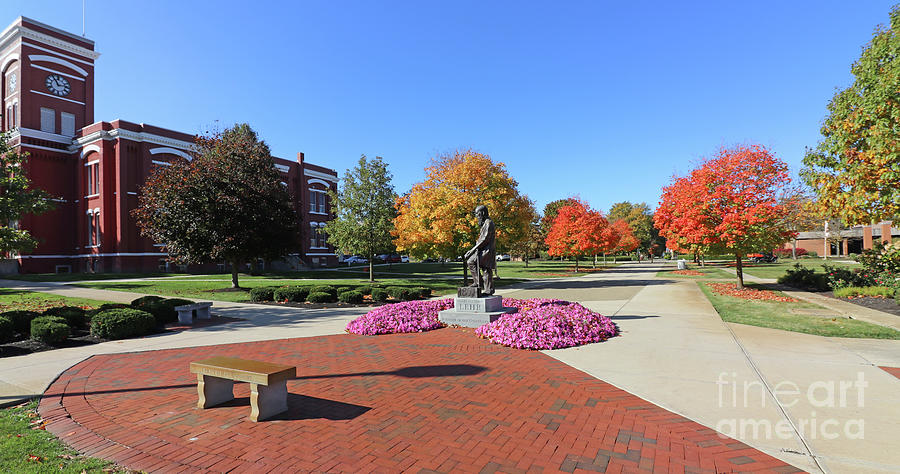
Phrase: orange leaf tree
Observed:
(624, 237)
(730, 203)
(578, 231)
(435, 218)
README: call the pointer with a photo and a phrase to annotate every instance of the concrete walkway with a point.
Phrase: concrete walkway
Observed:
(767, 388)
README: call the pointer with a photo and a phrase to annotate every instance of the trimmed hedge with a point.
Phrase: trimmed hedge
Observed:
(350, 297)
(402, 294)
(122, 323)
(262, 294)
(21, 320)
(379, 294)
(293, 294)
(321, 297)
(424, 292)
(146, 300)
(73, 315)
(6, 329)
(365, 289)
(325, 289)
(49, 329)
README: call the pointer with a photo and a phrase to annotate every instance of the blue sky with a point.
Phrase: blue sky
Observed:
(605, 100)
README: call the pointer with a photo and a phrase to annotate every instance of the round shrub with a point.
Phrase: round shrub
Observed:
(73, 315)
(379, 294)
(354, 297)
(144, 300)
(344, 289)
(365, 289)
(49, 329)
(320, 297)
(6, 329)
(324, 289)
(424, 292)
(402, 294)
(294, 294)
(262, 294)
(21, 320)
(122, 323)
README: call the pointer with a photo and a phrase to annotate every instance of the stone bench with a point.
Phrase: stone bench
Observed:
(185, 311)
(268, 387)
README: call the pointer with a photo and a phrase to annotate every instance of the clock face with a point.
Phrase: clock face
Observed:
(57, 85)
(12, 83)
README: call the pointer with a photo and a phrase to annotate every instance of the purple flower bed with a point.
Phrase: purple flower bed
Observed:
(409, 316)
(547, 324)
(539, 323)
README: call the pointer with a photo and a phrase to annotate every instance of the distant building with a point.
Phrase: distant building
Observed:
(847, 241)
(95, 169)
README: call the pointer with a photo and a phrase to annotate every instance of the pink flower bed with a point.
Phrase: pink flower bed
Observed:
(409, 316)
(538, 323)
(547, 324)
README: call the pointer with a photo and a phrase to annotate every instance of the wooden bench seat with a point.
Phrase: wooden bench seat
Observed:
(185, 312)
(268, 387)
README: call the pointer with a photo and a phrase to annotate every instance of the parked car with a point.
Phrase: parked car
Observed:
(503, 258)
(389, 258)
(762, 257)
(355, 260)
(404, 259)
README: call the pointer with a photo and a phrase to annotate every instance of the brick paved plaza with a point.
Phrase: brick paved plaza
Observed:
(443, 401)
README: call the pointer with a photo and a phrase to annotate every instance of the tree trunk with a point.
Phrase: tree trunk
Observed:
(371, 270)
(794, 251)
(234, 274)
(526, 261)
(576, 264)
(595, 261)
(739, 269)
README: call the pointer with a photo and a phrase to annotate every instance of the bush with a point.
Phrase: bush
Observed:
(402, 294)
(881, 258)
(325, 289)
(73, 315)
(812, 254)
(379, 294)
(6, 329)
(424, 292)
(122, 323)
(49, 329)
(21, 320)
(146, 300)
(841, 277)
(853, 291)
(365, 289)
(321, 297)
(294, 294)
(804, 278)
(354, 297)
(262, 294)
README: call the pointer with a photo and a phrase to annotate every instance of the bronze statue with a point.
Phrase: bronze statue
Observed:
(481, 259)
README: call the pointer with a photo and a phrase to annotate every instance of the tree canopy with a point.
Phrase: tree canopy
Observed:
(639, 218)
(364, 210)
(855, 169)
(729, 203)
(435, 218)
(227, 203)
(578, 231)
(17, 198)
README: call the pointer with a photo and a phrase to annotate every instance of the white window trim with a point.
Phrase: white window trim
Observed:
(92, 162)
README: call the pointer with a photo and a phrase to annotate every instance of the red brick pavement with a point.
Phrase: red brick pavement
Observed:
(441, 401)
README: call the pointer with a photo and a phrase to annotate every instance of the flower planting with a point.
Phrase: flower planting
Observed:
(537, 323)
(729, 289)
(408, 316)
(542, 323)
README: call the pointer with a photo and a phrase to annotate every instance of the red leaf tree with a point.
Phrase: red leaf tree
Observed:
(624, 237)
(730, 203)
(577, 231)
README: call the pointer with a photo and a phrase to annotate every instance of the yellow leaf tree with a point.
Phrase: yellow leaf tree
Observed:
(435, 218)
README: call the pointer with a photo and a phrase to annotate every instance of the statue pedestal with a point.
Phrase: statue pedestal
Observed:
(474, 311)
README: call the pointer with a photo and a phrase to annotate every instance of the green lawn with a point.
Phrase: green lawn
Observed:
(12, 299)
(777, 315)
(775, 270)
(25, 450)
(220, 289)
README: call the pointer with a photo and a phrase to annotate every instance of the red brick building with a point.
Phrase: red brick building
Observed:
(96, 169)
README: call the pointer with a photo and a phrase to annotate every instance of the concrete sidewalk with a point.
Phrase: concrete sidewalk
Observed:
(676, 352)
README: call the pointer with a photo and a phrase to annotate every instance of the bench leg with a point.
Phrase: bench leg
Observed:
(185, 317)
(203, 313)
(267, 400)
(213, 390)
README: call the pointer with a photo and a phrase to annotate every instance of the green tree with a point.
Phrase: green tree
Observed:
(364, 209)
(855, 169)
(639, 219)
(17, 198)
(227, 203)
